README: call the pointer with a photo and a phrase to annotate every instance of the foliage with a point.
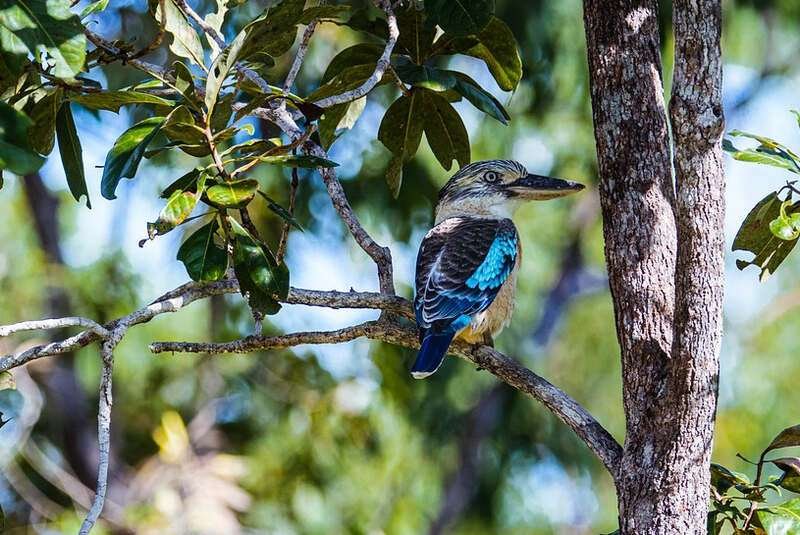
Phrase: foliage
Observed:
(742, 504)
(189, 105)
(771, 229)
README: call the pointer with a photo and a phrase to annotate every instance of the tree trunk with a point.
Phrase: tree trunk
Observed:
(664, 251)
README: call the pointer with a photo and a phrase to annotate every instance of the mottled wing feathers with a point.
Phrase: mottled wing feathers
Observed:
(462, 264)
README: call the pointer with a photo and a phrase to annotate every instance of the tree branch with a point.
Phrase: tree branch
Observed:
(383, 63)
(299, 56)
(505, 368)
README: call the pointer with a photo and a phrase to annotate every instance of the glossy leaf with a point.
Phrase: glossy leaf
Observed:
(184, 183)
(360, 54)
(123, 159)
(180, 126)
(496, 46)
(780, 519)
(303, 161)
(44, 25)
(204, 259)
(459, 17)
(94, 7)
(261, 280)
(16, 154)
(220, 69)
(401, 128)
(42, 135)
(69, 146)
(185, 41)
(327, 12)
(790, 479)
(755, 236)
(274, 32)
(394, 175)
(723, 479)
(787, 438)
(444, 130)
(232, 194)
(179, 206)
(416, 35)
(479, 97)
(339, 117)
(768, 152)
(215, 20)
(113, 100)
(348, 79)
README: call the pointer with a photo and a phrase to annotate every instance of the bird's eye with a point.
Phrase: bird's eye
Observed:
(491, 177)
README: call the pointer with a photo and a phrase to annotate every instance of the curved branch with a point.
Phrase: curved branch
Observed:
(565, 408)
(383, 63)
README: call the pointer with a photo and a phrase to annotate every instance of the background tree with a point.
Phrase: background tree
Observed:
(223, 97)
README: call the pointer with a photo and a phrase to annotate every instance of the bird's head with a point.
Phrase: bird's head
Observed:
(495, 188)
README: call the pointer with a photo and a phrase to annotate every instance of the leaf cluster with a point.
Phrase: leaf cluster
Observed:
(771, 229)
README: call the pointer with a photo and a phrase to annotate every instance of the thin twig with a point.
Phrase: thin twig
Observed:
(103, 431)
(55, 323)
(299, 56)
(383, 63)
(208, 29)
(281, 252)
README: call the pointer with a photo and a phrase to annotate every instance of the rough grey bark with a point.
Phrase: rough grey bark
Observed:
(664, 251)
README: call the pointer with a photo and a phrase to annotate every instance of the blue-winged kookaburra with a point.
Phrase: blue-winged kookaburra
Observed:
(467, 263)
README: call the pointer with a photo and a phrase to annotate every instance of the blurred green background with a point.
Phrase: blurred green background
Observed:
(340, 439)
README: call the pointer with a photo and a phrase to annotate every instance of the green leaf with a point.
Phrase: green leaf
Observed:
(274, 32)
(203, 259)
(261, 280)
(423, 75)
(781, 519)
(180, 126)
(280, 211)
(69, 146)
(349, 78)
(42, 134)
(496, 46)
(232, 194)
(459, 17)
(215, 20)
(444, 130)
(401, 128)
(185, 41)
(179, 206)
(328, 12)
(768, 152)
(94, 7)
(360, 54)
(16, 154)
(113, 100)
(790, 479)
(184, 183)
(220, 69)
(480, 98)
(441, 80)
(394, 175)
(756, 237)
(723, 479)
(339, 117)
(304, 161)
(124, 157)
(416, 35)
(32, 26)
(787, 438)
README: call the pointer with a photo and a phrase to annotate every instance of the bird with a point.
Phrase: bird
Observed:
(467, 264)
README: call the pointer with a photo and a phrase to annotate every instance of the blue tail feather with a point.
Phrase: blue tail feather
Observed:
(431, 353)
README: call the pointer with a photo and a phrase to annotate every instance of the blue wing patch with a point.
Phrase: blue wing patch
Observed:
(451, 303)
(498, 263)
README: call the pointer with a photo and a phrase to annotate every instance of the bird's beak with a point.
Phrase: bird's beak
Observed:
(539, 188)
